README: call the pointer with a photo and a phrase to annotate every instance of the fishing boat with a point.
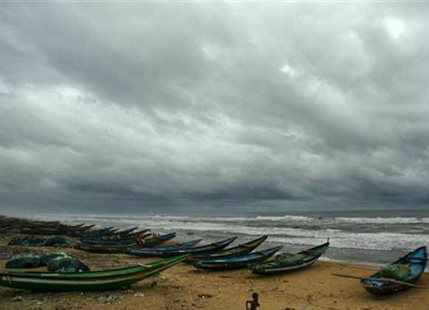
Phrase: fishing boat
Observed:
(103, 248)
(154, 252)
(378, 285)
(286, 262)
(99, 233)
(126, 231)
(109, 235)
(121, 247)
(156, 240)
(118, 238)
(209, 248)
(238, 250)
(235, 262)
(85, 281)
(128, 240)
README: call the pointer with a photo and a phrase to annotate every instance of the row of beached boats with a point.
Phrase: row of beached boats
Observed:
(214, 256)
(39, 227)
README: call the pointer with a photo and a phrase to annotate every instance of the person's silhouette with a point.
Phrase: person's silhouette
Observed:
(253, 304)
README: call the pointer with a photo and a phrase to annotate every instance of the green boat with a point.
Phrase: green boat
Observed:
(121, 247)
(287, 262)
(104, 248)
(86, 281)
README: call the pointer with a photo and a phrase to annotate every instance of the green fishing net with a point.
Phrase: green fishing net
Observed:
(395, 271)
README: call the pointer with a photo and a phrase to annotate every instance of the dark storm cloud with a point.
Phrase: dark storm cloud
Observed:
(143, 104)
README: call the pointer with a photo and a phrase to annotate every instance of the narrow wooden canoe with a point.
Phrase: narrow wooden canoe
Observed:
(106, 231)
(154, 252)
(237, 261)
(103, 248)
(121, 247)
(85, 281)
(111, 240)
(238, 250)
(417, 262)
(156, 240)
(209, 248)
(288, 262)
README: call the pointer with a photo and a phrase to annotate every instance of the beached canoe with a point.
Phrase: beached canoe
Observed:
(103, 248)
(122, 234)
(288, 262)
(98, 233)
(154, 252)
(115, 239)
(417, 264)
(121, 247)
(209, 248)
(238, 250)
(85, 281)
(236, 262)
(156, 240)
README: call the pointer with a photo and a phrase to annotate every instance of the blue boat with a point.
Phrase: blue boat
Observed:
(154, 252)
(236, 262)
(156, 240)
(377, 285)
(114, 239)
(209, 248)
(239, 250)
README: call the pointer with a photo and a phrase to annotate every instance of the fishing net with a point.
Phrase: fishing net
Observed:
(67, 264)
(16, 241)
(45, 259)
(396, 271)
(290, 259)
(33, 242)
(56, 242)
(24, 261)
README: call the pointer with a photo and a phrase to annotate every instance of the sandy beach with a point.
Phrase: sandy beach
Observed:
(184, 287)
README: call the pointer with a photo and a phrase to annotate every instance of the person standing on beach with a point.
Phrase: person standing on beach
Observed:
(253, 304)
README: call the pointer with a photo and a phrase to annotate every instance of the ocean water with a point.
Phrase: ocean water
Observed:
(358, 236)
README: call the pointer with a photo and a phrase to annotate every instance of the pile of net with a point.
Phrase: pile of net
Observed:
(52, 241)
(67, 264)
(396, 271)
(290, 259)
(58, 262)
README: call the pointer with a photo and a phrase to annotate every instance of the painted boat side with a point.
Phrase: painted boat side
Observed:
(85, 284)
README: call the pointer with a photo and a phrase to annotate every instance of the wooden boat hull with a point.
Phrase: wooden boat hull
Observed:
(417, 260)
(154, 252)
(85, 281)
(112, 241)
(239, 250)
(156, 241)
(277, 266)
(102, 248)
(236, 262)
(121, 248)
(210, 248)
(116, 237)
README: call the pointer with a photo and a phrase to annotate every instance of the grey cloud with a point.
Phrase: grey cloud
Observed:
(145, 104)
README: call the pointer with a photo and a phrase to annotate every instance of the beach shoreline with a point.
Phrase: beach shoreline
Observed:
(184, 287)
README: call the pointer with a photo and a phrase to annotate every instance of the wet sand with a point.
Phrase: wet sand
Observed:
(184, 287)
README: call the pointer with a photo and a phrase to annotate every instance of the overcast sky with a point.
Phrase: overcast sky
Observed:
(138, 106)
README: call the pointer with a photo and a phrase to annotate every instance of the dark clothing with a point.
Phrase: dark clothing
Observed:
(252, 304)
